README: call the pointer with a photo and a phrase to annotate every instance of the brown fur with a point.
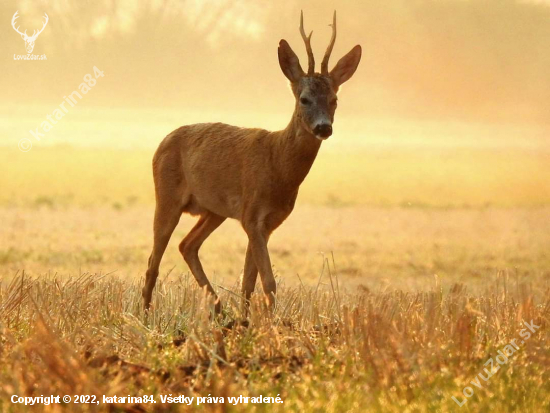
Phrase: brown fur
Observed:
(219, 171)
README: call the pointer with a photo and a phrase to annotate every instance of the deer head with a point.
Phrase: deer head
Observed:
(29, 40)
(315, 93)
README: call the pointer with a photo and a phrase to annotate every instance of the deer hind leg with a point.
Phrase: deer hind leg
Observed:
(191, 244)
(167, 216)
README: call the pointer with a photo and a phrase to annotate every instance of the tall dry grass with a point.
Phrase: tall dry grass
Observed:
(320, 350)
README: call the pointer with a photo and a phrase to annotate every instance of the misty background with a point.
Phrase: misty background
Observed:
(477, 60)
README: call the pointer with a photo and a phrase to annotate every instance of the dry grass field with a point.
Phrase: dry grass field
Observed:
(322, 350)
(401, 272)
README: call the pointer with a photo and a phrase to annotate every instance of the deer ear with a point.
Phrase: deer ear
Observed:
(290, 65)
(346, 66)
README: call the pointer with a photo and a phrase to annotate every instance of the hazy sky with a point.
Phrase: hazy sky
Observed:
(484, 59)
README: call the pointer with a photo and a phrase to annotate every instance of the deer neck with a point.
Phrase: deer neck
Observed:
(297, 149)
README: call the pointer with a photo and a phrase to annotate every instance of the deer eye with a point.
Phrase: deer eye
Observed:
(305, 101)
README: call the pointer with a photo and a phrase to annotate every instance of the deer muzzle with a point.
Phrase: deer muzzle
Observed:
(323, 130)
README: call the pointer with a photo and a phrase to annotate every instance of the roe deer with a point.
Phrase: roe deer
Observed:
(218, 171)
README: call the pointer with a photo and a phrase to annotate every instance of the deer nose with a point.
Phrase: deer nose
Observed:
(324, 130)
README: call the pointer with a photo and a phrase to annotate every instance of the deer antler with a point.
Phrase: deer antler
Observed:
(35, 35)
(307, 41)
(324, 63)
(15, 16)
